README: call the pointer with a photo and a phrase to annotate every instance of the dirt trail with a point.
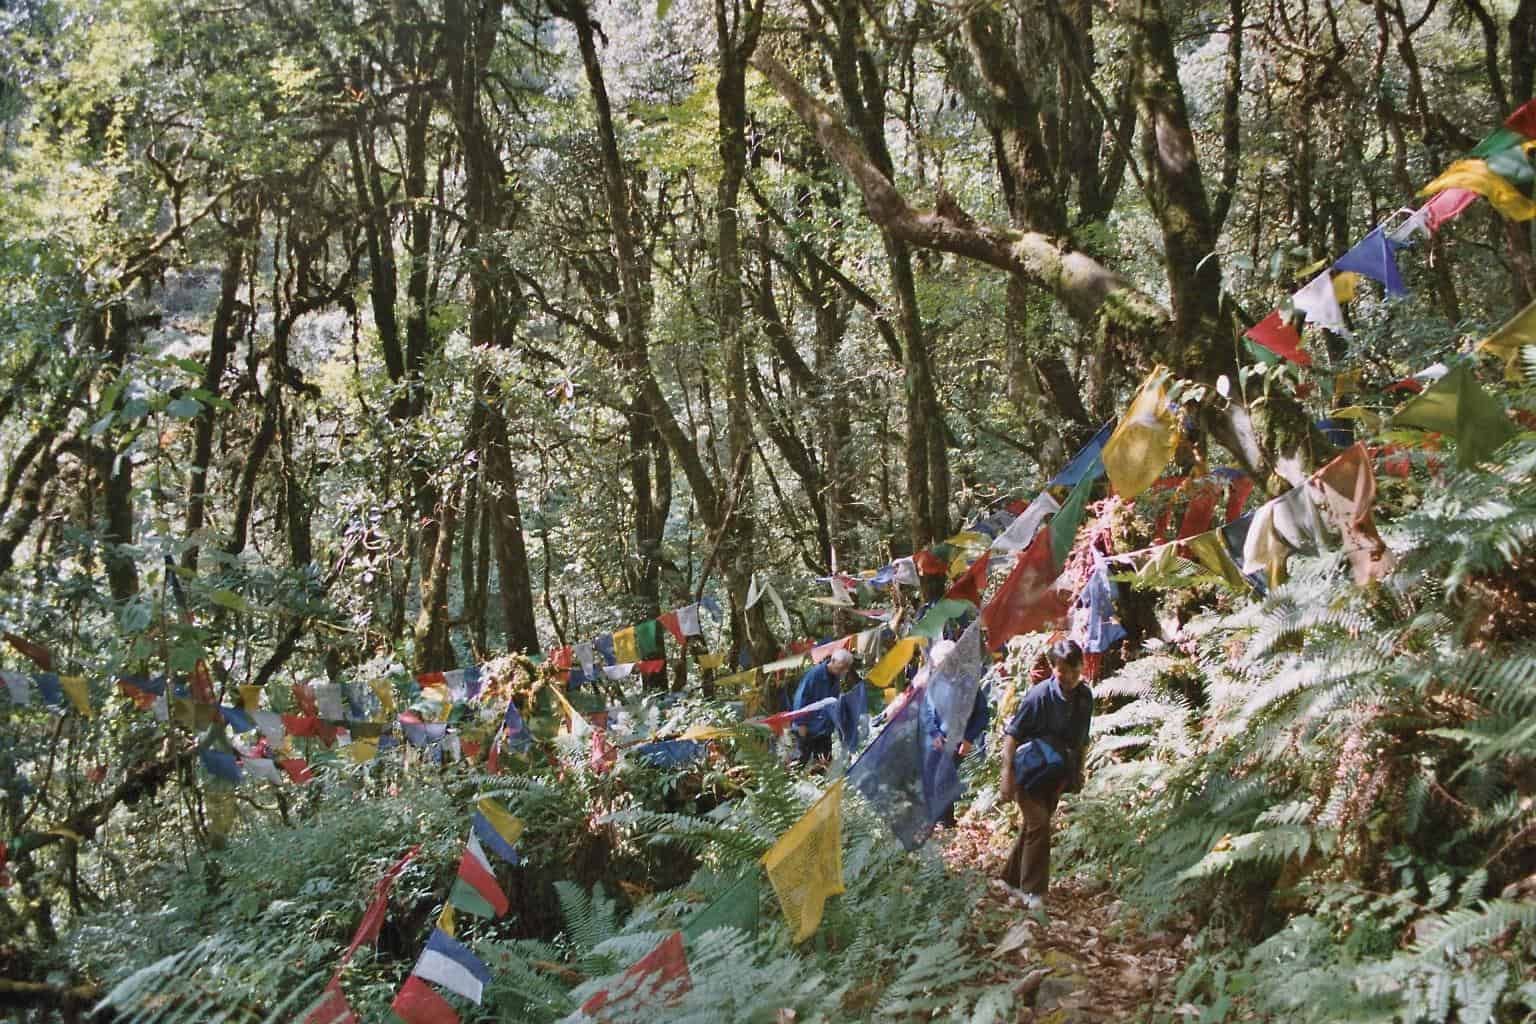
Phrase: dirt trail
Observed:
(1088, 961)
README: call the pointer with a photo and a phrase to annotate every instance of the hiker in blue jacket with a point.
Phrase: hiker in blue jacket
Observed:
(815, 731)
(1056, 712)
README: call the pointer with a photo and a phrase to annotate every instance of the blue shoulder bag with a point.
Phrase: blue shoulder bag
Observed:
(1037, 763)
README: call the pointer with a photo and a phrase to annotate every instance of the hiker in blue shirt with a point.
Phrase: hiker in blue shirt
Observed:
(975, 727)
(815, 730)
(1056, 711)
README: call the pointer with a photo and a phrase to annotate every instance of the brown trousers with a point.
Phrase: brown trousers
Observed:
(1029, 865)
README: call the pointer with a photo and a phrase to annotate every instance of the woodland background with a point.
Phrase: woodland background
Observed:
(403, 335)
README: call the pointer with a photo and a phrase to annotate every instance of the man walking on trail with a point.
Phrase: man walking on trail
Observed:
(1051, 726)
(815, 730)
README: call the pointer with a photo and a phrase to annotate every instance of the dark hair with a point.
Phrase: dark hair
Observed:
(1066, 652)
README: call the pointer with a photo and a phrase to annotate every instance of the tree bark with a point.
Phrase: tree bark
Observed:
(220, 346)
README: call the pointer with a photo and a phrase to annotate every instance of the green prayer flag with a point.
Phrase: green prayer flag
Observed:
(1458, 406)
(932, 624)
(1064, 526)
(648, 640)
(463, 896)
(1498, 142)
(1260, 353)
(734, 908)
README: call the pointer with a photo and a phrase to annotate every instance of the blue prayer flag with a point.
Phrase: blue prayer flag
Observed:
(49, 688)
(1087, 461)
(712, 604)
(493, 840)
(670, 753)
(1372, 257)
(220, 764)
(517, 733)
(907, 782)
(604, 645)
(1102, 631)
(237, 719)
(849, 715)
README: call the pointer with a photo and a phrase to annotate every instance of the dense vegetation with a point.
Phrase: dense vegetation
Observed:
(342, 344)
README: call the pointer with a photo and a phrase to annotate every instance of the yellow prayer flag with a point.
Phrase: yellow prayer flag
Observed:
(507, 825)
(78, 693)
(361, 751)
(625, 648)
(445, 921)
(1211, 553)
(1344, 286)
(1142, 444)
(895, 660)
(969, 542)
(1346, 384)
(1370, 420)
(806, 865)
(1507, 341)
(382, 690)
(738, 681)
(220, 804)
(1475, 176)
(707, 732)
(250, 698)
(712, 659)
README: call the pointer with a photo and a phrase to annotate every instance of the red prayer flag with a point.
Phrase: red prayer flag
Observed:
(601, 754)
(417, 1003)
(373, 917)
(666, 965)
(493, 759)
(1238, 497)
(332, 1008)
(142, 699)
(651, 667)
(39, 655)
(202, 683)
(779, 722)
(1523, 120)
(1017, 506)
(1280, 338)
(297, 769)
(673, 626)
(1200, 513)
(1026, 602)
(304, 697)
(930, 564)
(971, 584)
(1446, 206)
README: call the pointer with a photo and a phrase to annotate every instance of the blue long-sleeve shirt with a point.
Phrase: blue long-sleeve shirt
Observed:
(1046, 712)
(975, 725)
(817, 684)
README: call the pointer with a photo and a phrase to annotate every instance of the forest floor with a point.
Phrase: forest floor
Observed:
(1085, 960)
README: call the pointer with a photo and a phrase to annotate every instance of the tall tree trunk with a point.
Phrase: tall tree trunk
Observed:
(434, 652)
(220, 345)
(122, 572)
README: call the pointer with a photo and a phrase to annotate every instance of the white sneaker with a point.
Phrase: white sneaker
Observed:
(1034, 901)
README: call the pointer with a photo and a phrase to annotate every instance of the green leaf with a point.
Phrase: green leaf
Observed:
(231, 600)
(135, 409)
(184, 408)
(100, 426)
(662, 7)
